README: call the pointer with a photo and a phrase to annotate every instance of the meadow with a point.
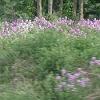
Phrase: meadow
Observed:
(50, 60)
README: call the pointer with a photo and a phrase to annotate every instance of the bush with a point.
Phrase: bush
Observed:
(38, 54)
(35, 58)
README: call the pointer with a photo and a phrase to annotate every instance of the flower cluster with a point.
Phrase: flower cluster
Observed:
(92, 24)
(24, 26)
(76, 32)
(71, 81)
(94, 61)
(42, 23)
(64, 21)
(17, 26)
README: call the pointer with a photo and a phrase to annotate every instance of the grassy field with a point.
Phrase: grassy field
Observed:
(41, 60)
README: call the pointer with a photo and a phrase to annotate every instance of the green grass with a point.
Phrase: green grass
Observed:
(11, 96)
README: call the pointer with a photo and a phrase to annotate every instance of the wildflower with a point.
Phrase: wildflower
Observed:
(83, 82)
(58, 77)
(63, 72)
(93, 58)
(94, 61)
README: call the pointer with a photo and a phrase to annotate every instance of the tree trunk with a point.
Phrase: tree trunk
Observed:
(39, 8)
(61, 6)
(81, 3)
(74, 8)
(50, 4)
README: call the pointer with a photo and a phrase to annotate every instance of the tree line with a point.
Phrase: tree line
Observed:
(77, 6)
(78, 9)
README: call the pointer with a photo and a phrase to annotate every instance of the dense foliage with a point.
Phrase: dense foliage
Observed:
(49, 57)
(42, 60)
(12, 9)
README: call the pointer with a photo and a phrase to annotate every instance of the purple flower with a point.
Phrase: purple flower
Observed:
(94, 61)
(77, 74)
(83, 82)
(72, 79)
(97, 62)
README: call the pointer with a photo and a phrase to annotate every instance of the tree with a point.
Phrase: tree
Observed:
(39, 8)
(61, 6)
(75, 8)
(50, 4)
(81, 3)
(78, 9)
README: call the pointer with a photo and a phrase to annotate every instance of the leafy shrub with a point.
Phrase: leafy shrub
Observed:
(38, 56)
(40, 53)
